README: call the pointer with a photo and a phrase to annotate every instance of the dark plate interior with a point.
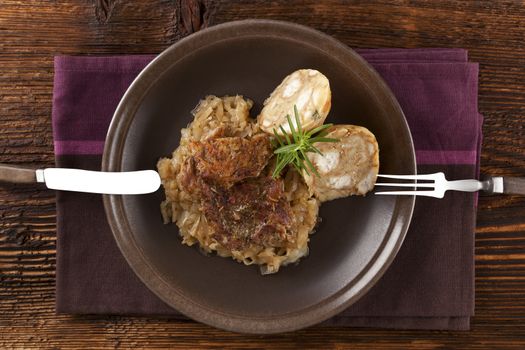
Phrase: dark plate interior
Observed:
(358, 237)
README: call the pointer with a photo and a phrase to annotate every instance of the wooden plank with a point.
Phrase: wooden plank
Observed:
(32, 32)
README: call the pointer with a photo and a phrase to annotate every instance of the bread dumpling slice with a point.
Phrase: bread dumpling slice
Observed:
(309, 90)
(348, 167)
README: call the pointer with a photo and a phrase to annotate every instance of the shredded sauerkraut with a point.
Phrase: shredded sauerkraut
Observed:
(229, 117)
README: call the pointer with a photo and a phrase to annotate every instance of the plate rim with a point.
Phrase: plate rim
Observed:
(132, 252)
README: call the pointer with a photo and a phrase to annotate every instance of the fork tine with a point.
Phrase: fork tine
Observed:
(409, 177)
(409, 193)
(408, 184)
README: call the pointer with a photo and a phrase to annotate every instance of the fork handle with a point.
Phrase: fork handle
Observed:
(514, 185)
(507, 184)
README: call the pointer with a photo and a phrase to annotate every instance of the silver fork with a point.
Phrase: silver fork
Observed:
(436, 185)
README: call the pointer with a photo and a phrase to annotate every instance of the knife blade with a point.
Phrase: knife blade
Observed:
(131, 182)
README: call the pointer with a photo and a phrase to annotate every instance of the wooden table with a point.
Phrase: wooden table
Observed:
(32, 32)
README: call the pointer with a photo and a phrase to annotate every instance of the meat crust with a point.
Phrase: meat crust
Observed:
(228, 160)
(241, 202)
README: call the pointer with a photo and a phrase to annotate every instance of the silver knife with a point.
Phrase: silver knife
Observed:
(78, 180)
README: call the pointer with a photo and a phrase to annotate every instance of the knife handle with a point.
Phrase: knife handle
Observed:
(514, 185)
(17, 174)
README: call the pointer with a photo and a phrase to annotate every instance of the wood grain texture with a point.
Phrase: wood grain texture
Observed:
(32, 32)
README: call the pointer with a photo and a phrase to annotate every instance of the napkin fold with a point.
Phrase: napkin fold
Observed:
(430, 284)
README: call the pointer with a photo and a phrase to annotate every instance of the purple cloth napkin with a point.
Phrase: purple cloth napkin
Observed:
(430, 284)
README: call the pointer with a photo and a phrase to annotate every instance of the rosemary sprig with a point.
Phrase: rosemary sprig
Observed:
(293, 149)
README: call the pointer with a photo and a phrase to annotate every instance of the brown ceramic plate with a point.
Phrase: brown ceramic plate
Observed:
(359, 236)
